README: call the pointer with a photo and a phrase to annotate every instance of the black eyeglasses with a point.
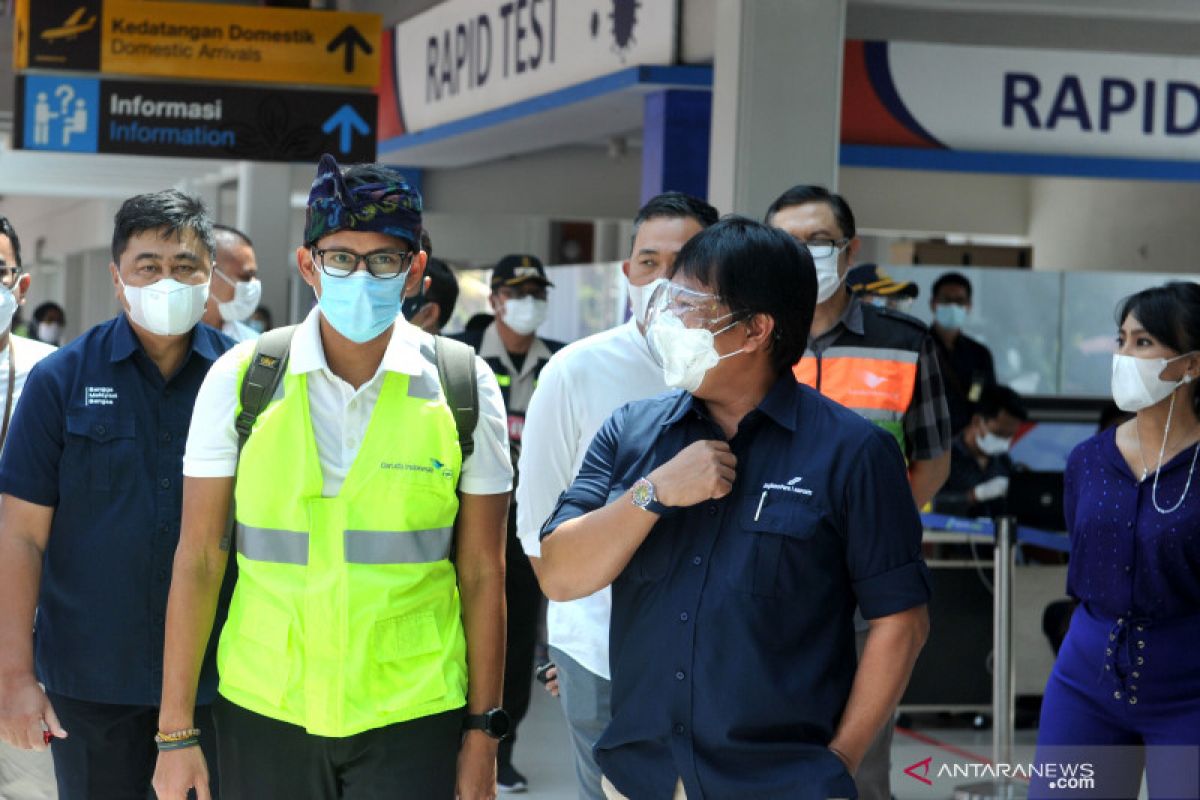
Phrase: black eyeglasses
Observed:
(339, 263)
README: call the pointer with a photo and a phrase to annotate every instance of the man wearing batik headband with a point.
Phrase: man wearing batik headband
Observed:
(356, 651)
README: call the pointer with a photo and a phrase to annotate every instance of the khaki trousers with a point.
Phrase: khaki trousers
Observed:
(611, 792)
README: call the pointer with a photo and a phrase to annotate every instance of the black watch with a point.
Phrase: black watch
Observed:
(495, 723)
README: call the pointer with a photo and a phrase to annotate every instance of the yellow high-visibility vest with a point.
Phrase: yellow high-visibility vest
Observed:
(346, 614)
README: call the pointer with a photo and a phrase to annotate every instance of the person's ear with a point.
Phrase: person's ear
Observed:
(416, 274)
(852, 251)
(625, 268)
(21, 288)
(118, 289)
(309, 271)
(760, 332)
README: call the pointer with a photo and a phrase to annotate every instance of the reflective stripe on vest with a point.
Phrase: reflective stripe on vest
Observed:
(876, 383)
(361, 547)
(273, 545)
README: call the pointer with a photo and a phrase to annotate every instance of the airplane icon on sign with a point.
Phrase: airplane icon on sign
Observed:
(73, 26)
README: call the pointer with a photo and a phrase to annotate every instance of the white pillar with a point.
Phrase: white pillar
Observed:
(264, 214)
(777, 89)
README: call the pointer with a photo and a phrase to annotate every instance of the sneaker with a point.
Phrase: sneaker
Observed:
(509, 781)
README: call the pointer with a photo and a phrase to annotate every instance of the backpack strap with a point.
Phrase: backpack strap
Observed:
(259, 383)
(456, 371)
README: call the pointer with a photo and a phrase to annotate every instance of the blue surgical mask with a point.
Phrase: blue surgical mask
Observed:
(361, 306)
(950, 315)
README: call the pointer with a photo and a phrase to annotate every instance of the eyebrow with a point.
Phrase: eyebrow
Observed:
(648, 251)
(184, 254)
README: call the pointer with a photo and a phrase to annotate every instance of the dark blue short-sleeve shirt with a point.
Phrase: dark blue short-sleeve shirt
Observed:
(99, 436)
(732, 637)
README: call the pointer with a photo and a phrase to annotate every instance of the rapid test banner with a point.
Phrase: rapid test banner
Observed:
(465, 57)
(1011, 100)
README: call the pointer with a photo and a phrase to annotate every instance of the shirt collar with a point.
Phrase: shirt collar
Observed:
(403, 353)
(125, 341)
(492, 346)
(851, 319)
(781, 404)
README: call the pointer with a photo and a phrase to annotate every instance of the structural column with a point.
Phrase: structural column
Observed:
(777, 85)
(265, 214)
(675, 137)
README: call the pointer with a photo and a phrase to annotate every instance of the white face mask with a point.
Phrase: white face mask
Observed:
(828, 279)
(246, 296)
(992, 445)
(685, 354)
(49, 332)
(1136, 383)
(525, 315)
(8, 307)
(166, 307)
(639, 298)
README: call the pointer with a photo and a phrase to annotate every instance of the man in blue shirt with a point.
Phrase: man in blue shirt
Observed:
(91, 482)
(740, 522)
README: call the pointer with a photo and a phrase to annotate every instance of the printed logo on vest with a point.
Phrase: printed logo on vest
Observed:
(435, 468)
(873, 381)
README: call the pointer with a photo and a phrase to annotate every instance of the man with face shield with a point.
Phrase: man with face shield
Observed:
(92, 498)
(511, 347)
(364, 647)
(580, 387)
(875, 361)
(235, 290)
(980, 466)
(737, 521)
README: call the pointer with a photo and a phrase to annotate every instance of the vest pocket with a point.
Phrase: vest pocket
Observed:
(262, 658)
(408, 661)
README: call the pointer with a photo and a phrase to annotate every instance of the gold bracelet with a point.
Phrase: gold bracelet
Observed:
(176, 736)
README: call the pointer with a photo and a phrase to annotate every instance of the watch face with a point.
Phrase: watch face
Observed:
(643, 493)
(499, 724)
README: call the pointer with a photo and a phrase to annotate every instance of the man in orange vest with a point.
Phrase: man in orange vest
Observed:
(876, 361)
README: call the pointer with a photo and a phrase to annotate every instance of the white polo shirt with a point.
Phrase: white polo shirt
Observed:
(340, 413)
(579, 389)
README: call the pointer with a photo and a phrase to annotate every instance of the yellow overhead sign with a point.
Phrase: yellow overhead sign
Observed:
(200, 40)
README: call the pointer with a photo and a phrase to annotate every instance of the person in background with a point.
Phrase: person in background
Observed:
(48, 321)
(236, 289)
(579, 389)
(90, 503)
(875, 286)
(24, 775)
(979, 463)
(967, 365)
(877, 362)
(511, 347)
(1128, 673)
(738, 523)
(260, 320)
(433, 304)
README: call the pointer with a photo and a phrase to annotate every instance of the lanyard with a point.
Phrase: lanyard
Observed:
(12, 381)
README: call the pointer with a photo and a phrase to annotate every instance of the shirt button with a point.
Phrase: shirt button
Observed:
(1140, 661)
(165, 483)
(1133, 701)
(1128, 568)
(1128, 524)
(696, 560)
(712, 509)
(1141, 645)
(100, 430)
(1117, 695)
(1135, 674)
(164, 528)
(683, 617)
(678, 729)
(680, 675)
(165, 436)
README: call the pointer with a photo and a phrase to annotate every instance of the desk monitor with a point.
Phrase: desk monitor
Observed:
(1035, 498)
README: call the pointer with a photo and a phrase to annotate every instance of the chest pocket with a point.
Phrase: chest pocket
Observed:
(779, 540)
(98, 447)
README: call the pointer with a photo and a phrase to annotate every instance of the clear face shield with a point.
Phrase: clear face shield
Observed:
(673, 308)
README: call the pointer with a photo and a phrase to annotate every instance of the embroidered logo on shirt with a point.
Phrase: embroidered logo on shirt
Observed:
(99, 395)
(790, 486)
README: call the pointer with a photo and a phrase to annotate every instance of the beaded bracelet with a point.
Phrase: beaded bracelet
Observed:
(191, 741)
(176, 736)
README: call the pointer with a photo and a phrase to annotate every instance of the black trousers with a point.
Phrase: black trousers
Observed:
(109, 752)
(272, 760)
(524, 599)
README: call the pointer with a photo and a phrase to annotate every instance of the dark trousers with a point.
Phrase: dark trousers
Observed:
(524, 598)
(265, 759)
(109, 752)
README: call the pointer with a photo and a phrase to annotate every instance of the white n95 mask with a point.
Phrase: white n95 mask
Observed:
(526, 314)
(166, 307)
(639, 298)
(8, 307)
(685, 354)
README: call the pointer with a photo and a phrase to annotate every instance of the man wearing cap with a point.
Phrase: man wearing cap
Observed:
(872, 284)
(877, 362)
(511, 347)
(364, 648)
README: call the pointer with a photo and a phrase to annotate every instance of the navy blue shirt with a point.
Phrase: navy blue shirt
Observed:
(1128, 559)
(732, 637)
(99, 436)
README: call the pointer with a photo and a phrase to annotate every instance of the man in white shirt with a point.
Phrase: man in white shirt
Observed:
(235, 291)
(370, 546)
(23, 773)
(578, 390)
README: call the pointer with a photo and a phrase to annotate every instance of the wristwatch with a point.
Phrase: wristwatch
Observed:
(644, 497)
(495, 723)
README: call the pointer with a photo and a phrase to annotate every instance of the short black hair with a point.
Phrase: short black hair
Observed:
(809, 193)
(675, 205)
(757, 269)
(426, 243)
(1171, 314)
(995, 398)
(45, 308)
(171, 210)
(443, 288)
(7, 229)
(951, 279)
(229, 230)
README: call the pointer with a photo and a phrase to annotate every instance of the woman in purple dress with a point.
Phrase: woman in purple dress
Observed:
(1125, 690)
